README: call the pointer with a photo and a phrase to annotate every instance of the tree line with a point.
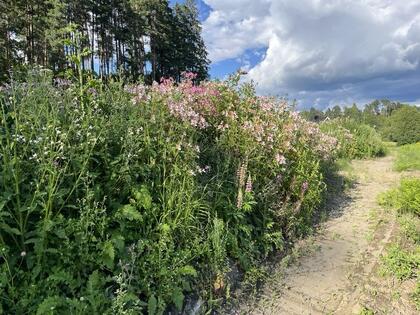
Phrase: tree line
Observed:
(142, 38)
(395, 121)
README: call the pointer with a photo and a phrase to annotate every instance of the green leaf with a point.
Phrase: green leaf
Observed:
(188, 271)
(130, 213)
(152, 305)
(8, 229)
(108, 254)
(118, 241)
(143, 197)
(178, 298)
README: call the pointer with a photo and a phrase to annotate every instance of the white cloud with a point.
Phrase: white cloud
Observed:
(322, 51)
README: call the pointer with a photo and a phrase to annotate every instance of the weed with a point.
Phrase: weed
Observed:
(401, 263)
(366, 311)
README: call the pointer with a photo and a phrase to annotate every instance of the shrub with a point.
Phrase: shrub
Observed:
(356, 140)
(123, 199)
(404, 125)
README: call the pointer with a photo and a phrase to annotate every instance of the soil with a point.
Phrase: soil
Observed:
(341, 274)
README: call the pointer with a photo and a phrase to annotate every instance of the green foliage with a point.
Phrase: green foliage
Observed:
(392, 120)
(405, 198)
(416, 295)
(410, 226)
(145, 39)
(404, 125)
(112, 202)
(401, 263)
(356, 140)
(366, 311)
(408, 157)
(402, 259)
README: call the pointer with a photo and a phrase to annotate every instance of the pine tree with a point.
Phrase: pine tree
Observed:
(143, 38)
(191, 50)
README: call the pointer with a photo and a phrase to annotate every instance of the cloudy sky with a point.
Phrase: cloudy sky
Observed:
(320, 52)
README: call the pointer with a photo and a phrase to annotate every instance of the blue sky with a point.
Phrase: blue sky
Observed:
(321, 53)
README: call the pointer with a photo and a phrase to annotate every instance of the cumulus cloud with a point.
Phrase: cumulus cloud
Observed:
(322, 52)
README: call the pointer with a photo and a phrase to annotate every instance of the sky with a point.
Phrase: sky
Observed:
(319, 52)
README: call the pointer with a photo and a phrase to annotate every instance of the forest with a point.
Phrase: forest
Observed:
(141, 39)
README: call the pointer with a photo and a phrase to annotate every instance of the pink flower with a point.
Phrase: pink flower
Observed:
(305, 186)
(280, 159)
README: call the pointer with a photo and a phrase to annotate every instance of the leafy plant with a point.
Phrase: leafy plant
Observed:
(356, 140)
(124, 199)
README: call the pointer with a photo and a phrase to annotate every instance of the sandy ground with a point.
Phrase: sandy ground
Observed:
(340, 276)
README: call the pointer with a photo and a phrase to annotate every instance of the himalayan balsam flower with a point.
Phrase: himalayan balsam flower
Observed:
(280, 159)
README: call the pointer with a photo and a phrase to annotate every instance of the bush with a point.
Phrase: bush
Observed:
(356, 140)
(121, 199)
(404, 125)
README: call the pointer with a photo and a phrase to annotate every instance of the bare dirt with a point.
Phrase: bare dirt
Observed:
(340, 275)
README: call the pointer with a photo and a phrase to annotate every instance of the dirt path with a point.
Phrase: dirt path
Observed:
(340, 276)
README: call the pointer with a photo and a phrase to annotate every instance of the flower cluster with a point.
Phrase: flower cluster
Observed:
(268, 123)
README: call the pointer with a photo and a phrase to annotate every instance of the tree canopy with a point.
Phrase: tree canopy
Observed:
(143, 38)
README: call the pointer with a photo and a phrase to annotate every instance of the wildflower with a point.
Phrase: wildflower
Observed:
(280, 159)
(92, 91)
(305, 186)
(248, 187)
(240, 174)
(239, 199)
(23, 254)
(189, 76)
(203, 170)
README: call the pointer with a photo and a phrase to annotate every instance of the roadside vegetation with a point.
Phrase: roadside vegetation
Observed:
(393, 121)
(123, 198)
(408, 157)
(356, 140)
(402, 259)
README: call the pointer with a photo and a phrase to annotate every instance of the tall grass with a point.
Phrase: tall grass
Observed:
(405, 198)
(408, 157)
(125, 198)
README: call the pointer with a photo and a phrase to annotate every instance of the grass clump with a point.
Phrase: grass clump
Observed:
(366, 311)
(356, 140)
(408, 157)
(125, 199)
(405, 198)
(401, 263)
